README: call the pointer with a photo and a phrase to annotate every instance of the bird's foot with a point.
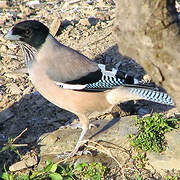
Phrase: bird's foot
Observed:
(71, 154)
(76, 124)
(73, 125)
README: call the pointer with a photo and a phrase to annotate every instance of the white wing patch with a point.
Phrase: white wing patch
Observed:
(107, 73)
(70, 86)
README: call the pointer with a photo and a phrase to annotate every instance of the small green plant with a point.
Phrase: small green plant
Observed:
(6, 175)
(10, 146)
(93, 171)
(171, 178)
(151, 132)
(138, 177)
(53, 171)
(140, 159)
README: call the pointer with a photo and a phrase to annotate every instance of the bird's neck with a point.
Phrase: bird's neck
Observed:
(29, 53)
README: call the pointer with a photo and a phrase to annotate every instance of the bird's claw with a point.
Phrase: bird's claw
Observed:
(71, 154)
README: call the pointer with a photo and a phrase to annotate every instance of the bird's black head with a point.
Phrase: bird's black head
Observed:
(32, 32)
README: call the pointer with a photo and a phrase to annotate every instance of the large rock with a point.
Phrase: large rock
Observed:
(148, 32)
(63, 140)
(170, 159)
(112, 131)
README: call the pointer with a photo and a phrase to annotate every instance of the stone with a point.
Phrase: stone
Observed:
(90, 2)
(114, 131)
(55, 25)
(25, 11)
(34, 4)
(14, 89)
(2, 20)
(28, 161)
(4, 4)
(93, 21)
(147, 78)
(4, 48)
(169, 159)
(84, 22)
(73, 2)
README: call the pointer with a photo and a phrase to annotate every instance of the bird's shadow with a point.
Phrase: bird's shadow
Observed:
(106, 126)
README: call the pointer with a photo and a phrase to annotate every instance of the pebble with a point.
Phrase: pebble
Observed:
(4, 48)
(84, 22)
(4, 4)
(147, 78)
(12, 75)
(54, 27)
(2, 20)
(25, 11)
(14, 89)
(25, 163)
(34, 4)
(90, 2)
(65, 23)
(93, 21)
(74, 1)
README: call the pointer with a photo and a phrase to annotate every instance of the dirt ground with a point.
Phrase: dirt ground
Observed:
(83, 25)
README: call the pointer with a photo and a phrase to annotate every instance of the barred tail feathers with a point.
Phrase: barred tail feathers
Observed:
(123, 93)
(152, 95)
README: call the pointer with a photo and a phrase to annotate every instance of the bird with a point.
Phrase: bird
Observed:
(71, 80)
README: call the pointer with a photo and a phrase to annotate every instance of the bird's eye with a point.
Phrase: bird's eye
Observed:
(27, 32)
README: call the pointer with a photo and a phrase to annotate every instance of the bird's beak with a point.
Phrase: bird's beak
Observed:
(11, 37)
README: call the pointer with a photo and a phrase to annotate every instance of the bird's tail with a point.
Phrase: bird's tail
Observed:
(152, 95)
(136, 92)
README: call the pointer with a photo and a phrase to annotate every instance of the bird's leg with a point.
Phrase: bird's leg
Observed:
(84, 124)
(83, 133)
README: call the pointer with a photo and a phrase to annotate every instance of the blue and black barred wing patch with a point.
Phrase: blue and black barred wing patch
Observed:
(109, 80)
(101, 80)
(107, 83)
(101, 85)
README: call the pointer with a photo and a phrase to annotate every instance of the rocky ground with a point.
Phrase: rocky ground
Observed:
(83, 25)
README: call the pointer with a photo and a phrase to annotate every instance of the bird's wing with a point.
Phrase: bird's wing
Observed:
(100, 80)
(66, 65)
(112, 79)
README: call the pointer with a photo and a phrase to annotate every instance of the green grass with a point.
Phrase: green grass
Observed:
(171, 178)
(140, 159)
(152, 129)
(10, 146)
(53, 171)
